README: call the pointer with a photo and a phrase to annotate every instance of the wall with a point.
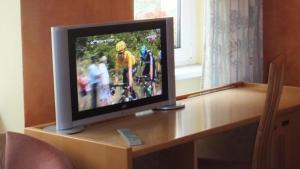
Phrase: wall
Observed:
(282, 36)
(200, 30)
(37, 18)
(186, 86)
(11, 83)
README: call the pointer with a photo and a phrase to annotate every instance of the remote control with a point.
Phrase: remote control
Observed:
(130, 137)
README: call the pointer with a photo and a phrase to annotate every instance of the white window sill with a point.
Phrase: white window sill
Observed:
(188, 72)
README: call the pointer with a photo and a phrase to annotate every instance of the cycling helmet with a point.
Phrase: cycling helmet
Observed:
(143, 51)
(120, 46)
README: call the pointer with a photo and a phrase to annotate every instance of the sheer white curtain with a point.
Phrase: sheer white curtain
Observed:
(233, 42)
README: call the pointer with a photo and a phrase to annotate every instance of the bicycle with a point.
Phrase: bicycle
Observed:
(146, 83)
(128, 94)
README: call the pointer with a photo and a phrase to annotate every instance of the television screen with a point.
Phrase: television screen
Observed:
(112, 70)
(118, 67)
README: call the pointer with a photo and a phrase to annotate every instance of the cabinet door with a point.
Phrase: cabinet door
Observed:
(292, 129)
(286, 142)
(279, 146)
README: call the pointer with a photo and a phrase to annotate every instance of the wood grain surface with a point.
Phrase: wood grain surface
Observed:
(37, 16)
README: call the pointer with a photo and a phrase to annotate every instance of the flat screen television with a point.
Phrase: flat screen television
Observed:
(111, 70)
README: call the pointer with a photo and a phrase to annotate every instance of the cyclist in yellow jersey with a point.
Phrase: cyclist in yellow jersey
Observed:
(125, 63)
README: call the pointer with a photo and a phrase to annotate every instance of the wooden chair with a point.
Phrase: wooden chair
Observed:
(262, 149)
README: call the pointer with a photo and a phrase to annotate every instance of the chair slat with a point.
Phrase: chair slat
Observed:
(262, 148)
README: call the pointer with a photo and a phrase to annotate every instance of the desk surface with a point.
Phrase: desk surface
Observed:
(203, 115)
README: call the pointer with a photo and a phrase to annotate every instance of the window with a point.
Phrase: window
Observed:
(189, 39)
(148, 9)
(188, 18)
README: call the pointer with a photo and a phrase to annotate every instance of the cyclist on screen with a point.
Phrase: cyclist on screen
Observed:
(147, 57)
(126, 63)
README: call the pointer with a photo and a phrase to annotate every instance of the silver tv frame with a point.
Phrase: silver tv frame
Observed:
(62, 79)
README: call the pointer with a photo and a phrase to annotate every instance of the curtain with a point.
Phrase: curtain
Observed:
(232, 42)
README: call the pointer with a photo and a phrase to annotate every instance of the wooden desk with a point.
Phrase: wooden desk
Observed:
(169, 137)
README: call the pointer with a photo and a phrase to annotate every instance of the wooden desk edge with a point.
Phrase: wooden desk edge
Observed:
(38, 130)
(78, 150)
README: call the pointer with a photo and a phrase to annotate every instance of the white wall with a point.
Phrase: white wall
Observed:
(11, 76)
(187, 86)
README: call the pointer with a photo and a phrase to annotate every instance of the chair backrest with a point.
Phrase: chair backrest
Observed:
(262, 147)
(25, 152)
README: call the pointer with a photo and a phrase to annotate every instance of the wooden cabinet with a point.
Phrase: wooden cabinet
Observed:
(169, 137)
(286, 142)
(89, 151)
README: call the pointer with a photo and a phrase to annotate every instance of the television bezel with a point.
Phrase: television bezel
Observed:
(65, 76)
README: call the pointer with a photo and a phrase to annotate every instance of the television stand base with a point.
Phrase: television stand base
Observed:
(178, 105)
(73, 130)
